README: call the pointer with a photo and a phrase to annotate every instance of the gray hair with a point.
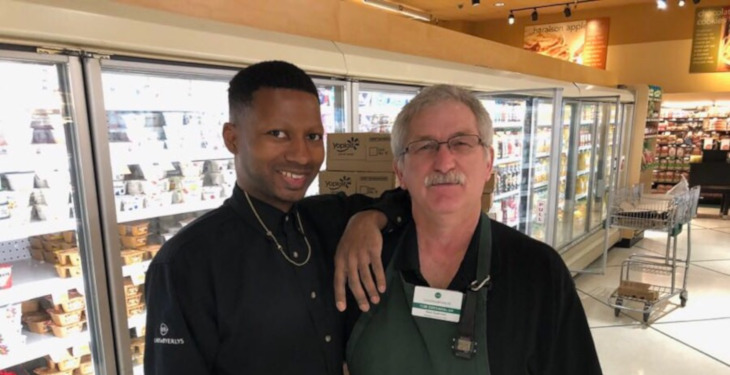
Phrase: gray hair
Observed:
(433, 95)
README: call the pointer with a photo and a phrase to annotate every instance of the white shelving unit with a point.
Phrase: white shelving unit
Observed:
(14, 230)
(542, 155)
(508, 124)
(32, 279)
(507, 160)
(137, 321)
(173, 209)
(583, 172)
(581, 196)
(506, 195)
(540, 185)
(38, 345)
(585, 148)
(135, 269)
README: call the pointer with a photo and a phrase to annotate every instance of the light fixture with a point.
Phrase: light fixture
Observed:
(474, 3)
(567, 11)
(397, 8)
(661, 4)
(499, 4)
(696, 1)
(680, 3)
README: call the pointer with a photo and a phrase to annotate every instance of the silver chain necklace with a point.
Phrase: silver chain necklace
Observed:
(273, 238)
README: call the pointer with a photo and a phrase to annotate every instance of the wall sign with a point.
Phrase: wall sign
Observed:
(582, 42)
(711, 41)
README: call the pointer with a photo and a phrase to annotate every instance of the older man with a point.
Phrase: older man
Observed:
(466, 295)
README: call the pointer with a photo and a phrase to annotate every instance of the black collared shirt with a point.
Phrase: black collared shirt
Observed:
(222, 299)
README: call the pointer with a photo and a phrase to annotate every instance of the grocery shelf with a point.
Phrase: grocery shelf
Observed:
(542, 155)
(583, 172)
(581, 196)
(540, 185)
(137, 321)
(123, 153)
(507, 160)
(138, 370)
(172, 209)
(508, 124)
(506, 195)
(586, 123)
(30, 157)
(38, 345)
(32, 279)
(585, 148)
(544, 125)
(135, 269)
(11, 230)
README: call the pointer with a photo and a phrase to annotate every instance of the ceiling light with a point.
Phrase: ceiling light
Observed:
(382, 5)
(566, 11)
(680, 3)
(474, 3)
(397, 8)
(534, 14)
(416, 14)
(499, 4)
(511, 18)
(661, 4)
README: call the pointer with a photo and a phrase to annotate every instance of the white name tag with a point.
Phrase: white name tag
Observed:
(437, 304)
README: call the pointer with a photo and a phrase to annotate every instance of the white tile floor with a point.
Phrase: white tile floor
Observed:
(690, 340)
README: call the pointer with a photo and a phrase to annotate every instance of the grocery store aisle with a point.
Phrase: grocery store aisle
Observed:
(693, 339)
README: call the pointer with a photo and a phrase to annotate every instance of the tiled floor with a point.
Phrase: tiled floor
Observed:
(694, 339)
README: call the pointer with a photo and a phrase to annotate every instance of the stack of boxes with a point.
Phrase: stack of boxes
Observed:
(358, 163)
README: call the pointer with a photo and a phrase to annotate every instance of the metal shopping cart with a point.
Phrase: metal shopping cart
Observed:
(648, 281)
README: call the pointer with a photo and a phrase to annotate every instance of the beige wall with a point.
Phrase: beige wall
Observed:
(356, 24)
(646, 45)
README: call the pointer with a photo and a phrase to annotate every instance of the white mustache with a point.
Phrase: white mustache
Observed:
(451, 177)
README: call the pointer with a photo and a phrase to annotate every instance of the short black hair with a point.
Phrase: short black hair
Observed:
(266, 74)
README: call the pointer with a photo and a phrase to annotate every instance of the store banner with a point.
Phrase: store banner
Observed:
(711, 41)
(582, 42)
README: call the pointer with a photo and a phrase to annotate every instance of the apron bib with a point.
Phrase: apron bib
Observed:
(389, 340)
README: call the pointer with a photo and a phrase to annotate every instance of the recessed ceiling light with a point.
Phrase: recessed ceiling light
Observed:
(499, 4)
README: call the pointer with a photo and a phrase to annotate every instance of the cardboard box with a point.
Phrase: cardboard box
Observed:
(361, 152)
(487, 200)
(489, 186)
(371, 184)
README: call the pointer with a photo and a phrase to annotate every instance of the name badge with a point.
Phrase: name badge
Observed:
(439, 304)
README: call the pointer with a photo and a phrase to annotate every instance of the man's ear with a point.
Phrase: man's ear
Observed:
(399, 173)
(230, 137)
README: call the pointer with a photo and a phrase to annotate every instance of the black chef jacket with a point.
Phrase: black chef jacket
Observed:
(535, 320)
(221, 299)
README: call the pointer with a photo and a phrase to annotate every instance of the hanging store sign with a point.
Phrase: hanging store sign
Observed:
(582, 42)
(711, 41)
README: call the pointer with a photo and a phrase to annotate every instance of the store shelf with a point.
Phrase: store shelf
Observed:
(173, 209)
(138, 370)
(581, 196)
(31, 157)
(14, 230)
(583, 172)
(586, 123)
(542, 155)
(39, 345)
(32, 279)
(508, 124)
(540, 185)
(650, 136)
(506, 195)
(544, 125)
(137, 321)
(507, 160)
(135, 269)
(585, 148)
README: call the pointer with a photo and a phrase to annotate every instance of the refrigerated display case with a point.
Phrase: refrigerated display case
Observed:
(334, 108)
(378, 105)
(159, 142)
(522, 122)
(589, 129)
(52, 290)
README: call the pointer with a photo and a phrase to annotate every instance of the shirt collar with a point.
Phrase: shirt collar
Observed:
(271, 216)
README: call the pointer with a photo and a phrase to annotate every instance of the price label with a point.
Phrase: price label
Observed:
(541, 208)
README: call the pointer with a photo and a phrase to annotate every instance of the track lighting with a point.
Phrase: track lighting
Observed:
(474, 3)
(397, 8)
(680, 3)
(567, 11)
(661, 4)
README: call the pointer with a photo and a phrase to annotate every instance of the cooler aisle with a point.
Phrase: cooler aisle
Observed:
(168, 165)
(45, 247)
(379, 104)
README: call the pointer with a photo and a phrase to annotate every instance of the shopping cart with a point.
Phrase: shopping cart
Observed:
(648, 281)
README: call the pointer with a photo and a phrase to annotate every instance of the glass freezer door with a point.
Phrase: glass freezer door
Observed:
(379, 104)
(53, 314)
(164, 164)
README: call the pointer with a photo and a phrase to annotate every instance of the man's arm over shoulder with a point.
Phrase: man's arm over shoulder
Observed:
(177, 328)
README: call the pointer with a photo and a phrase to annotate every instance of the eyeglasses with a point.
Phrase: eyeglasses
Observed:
(458, 144)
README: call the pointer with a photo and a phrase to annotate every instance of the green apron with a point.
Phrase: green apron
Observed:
(389, 340)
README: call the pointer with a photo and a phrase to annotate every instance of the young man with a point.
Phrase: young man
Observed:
(466, 295)
(247, 288)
